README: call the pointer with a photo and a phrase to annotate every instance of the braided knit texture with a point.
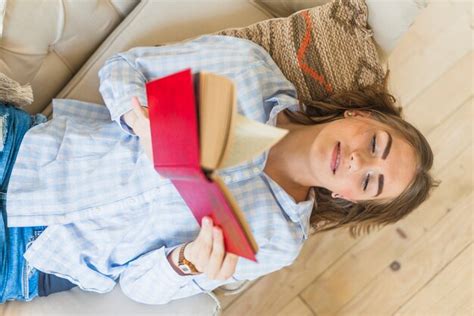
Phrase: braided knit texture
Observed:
(14, 93)
(321, 50)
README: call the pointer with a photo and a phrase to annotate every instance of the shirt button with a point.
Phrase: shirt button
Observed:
(256, 170)
(227, 178)
(235, 177)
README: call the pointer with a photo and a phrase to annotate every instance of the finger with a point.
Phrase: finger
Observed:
(217, 254)
(204, 244)
(228, 266)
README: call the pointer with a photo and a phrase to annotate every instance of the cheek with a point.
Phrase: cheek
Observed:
(348, 193)
(348, 189)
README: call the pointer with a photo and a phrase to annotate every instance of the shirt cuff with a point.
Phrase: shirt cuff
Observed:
(166, 271)
(125, 126)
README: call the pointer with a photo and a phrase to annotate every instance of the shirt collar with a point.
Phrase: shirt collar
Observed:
(298, 212)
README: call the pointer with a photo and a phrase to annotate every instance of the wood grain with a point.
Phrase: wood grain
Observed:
(448, 288)
(431, 53)
(273, 292)
(442, 97)
(419, 264)
(296, 308)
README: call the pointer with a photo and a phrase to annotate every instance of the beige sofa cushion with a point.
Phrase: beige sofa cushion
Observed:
(282, 8)
(155, 22)
(44, 43)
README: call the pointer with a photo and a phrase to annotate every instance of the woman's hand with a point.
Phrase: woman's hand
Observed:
(208, 255)
(140, 123)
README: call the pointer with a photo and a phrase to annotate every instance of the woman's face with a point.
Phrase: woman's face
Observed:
(359, 158)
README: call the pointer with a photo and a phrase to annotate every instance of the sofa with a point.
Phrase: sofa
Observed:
(58, 46)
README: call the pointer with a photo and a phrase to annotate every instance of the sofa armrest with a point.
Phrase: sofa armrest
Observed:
(115, 303)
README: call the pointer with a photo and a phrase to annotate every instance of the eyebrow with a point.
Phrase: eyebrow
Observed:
(380, 188)
(387, 148)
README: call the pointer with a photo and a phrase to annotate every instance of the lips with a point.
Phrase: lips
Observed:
(336, 157)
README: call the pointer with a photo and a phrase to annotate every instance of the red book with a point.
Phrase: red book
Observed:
(195, 130)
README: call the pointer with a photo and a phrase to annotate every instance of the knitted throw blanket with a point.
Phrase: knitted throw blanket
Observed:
(12, 92)
(322, 50)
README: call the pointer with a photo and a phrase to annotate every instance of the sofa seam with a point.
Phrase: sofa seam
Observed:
(60, 32)
(114, 9)
(64, 61)
(65, 90)
(21, 53)
(111, 38)
(262, 9)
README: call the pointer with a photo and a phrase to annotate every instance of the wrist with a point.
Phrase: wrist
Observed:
(130, 118)
(173, 258)
(184, 262)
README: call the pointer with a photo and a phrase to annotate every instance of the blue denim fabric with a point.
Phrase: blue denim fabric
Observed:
(18, 281)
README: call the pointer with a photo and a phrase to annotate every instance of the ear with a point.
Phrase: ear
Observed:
(354, 113)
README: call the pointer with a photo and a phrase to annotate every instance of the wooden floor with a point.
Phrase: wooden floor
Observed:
(423, 264)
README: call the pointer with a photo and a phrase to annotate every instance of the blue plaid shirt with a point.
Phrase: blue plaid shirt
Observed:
(111, 217)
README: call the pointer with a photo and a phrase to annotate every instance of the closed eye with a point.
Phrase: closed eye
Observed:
(366, 182)
(373, 143)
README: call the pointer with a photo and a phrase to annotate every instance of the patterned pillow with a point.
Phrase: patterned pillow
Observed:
(321, 50)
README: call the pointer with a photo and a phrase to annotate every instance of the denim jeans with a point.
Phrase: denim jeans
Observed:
(18, 281)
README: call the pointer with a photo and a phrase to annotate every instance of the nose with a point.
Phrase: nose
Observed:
(360, 161)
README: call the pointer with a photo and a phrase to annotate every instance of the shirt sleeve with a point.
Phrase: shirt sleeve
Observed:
(120, 80)
(150, 279)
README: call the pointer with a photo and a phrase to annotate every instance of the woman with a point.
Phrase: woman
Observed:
(87, 175)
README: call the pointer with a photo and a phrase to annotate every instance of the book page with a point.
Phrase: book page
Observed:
(248, 139)
(216, 115)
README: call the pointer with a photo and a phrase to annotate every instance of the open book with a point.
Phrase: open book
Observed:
(196, 130)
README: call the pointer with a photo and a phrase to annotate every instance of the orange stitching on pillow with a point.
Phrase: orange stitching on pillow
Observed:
(301, 51)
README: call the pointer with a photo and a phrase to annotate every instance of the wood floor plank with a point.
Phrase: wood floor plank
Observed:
(425, 28)
(349, 275)
(227, 300)
(296, 308)
(433, 57)
(451, 290)
(417, 265)
(273, 292)
(449, 91)
(452, 135)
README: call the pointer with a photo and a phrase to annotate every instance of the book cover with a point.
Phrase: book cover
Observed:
(195, 130)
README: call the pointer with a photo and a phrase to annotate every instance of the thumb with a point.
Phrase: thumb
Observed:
(137, 107)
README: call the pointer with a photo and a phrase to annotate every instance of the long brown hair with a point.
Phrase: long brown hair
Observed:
(330, 213)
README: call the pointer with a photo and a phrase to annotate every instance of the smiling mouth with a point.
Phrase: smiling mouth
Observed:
(336, 157)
